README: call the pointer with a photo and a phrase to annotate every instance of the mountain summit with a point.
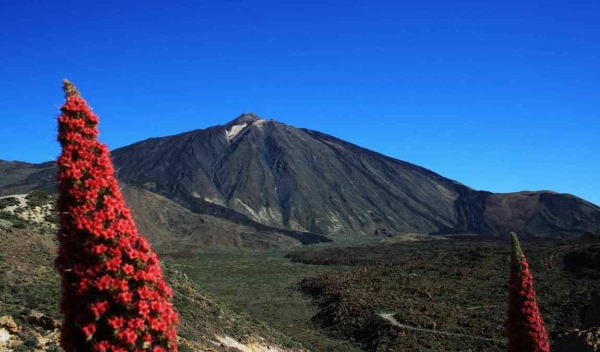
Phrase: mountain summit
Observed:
(247, 117)
(284, 177)
(309, 181)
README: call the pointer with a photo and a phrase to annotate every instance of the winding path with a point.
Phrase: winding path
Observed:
(390, 318)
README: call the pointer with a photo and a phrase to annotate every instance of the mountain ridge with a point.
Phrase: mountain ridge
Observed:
(308, 181)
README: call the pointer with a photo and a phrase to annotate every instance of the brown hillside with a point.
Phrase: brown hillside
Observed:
(29, 282)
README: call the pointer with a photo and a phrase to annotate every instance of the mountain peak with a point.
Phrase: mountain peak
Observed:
(247, 117)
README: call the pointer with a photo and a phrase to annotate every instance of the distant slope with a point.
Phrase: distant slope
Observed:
(175, 229)
(169, 226)
(541, 213)
(19, 177)
(262, 171)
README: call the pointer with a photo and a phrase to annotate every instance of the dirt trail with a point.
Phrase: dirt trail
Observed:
(390, 318)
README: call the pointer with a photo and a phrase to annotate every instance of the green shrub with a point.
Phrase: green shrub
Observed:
(38, 198)
(54, 348)
(53, 218)
(7, 202)
(31, 341)
(19, 225)
(8, 216)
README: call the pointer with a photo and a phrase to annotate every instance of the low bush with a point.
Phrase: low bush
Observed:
(38, 198)
(9, 201)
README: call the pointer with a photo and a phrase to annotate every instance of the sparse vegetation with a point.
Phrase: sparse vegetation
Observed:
(5, 215)
(263, 286)
(29, 283)
(451, 286)
(52, 218)
(38, 198)
(20, 225)
(9, 201)
(42, 216)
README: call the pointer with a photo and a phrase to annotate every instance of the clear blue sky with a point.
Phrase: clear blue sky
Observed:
(499, 95)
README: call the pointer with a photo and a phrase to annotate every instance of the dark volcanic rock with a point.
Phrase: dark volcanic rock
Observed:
(274, 174)
(541, 213)
(578, 341)
(384, 232)
(292, 178)
(305, 180)
(172, 228)
(18, 177)
(591, 314)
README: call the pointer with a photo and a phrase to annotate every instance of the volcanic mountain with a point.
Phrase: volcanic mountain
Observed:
(171, 228)
(256, 171)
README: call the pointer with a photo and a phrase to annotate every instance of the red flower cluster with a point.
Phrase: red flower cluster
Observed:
(114, 297)
(524, 326)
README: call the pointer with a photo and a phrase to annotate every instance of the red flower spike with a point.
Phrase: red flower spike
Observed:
(524, 325)
(89, 330)
(114, 297)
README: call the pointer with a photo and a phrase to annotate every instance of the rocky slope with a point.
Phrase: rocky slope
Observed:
(171, 228)
(30, 290)
(271, 173)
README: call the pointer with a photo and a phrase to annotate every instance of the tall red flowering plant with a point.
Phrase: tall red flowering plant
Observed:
(114, 297)
(524, 326)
